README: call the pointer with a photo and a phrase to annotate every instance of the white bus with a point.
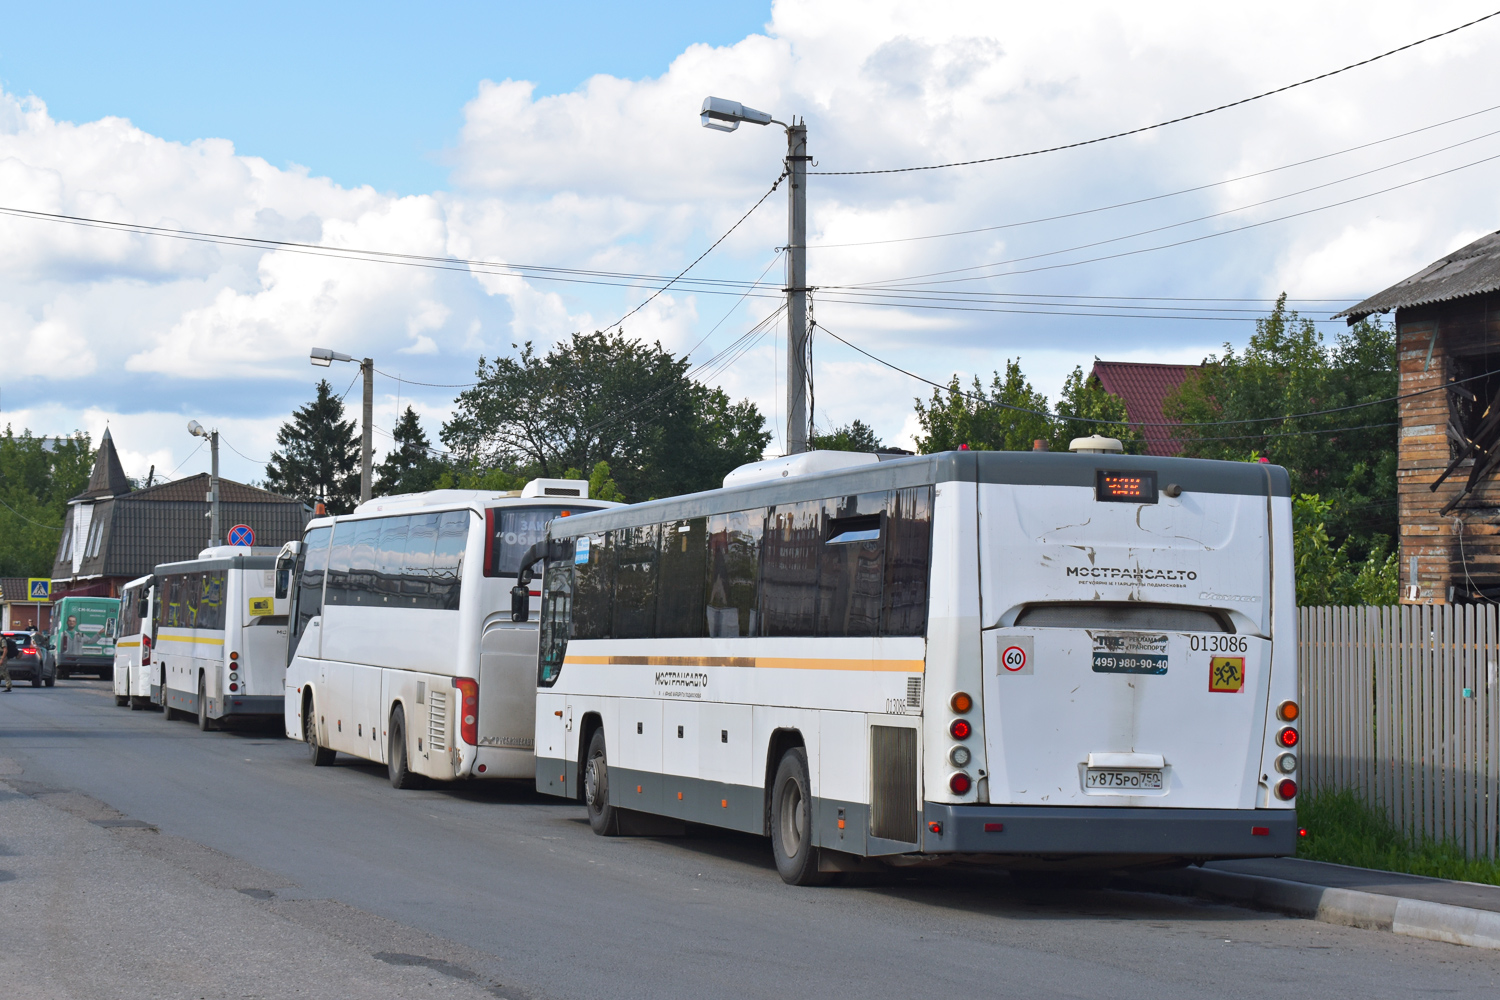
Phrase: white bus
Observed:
(1081, 660)
(403, 650)
(133, 668)
(220, 637)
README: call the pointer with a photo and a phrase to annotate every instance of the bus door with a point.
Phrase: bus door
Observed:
(305, 588)
(1126, 646)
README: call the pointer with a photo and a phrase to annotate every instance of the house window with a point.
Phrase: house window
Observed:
(96, 536)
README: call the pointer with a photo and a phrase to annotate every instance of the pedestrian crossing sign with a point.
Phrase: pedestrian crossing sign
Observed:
(38, 588)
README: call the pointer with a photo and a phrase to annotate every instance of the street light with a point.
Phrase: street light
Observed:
(725, 116)
(323, 357)
(196, 430)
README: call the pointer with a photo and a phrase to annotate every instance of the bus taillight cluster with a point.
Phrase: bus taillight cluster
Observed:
(468, 713)
(1287, 738)
(959, 756)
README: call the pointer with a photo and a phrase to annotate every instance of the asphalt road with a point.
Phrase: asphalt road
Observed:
(145, 858)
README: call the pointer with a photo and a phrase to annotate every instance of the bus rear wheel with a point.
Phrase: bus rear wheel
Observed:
(791, 822)
(603, 817)
(205, 724)
(397, 765)
(319, 755)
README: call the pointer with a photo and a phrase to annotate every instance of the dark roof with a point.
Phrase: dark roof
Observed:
(196, 488)
(1144, 387)
(1472, 270)
(13, 588)
(169, 523)
(108, 478)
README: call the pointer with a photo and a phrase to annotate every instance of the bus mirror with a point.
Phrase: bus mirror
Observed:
(145, 609)
(520, 603)
(283, 582)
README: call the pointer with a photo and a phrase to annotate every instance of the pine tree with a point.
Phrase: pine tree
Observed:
(410, 466)
(318, 456)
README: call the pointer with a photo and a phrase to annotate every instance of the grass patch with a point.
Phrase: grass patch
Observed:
(1342, 829)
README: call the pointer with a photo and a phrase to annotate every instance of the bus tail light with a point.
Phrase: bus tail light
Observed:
(468, 713)
(961, 702)
(1286, 789)
(960, 783)
(960, 729)
(489, 542)
(145, 650)
(1287, 711)
(1287, 737)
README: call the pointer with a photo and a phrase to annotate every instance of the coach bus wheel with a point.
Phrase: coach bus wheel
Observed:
(791, 822)
(397, 765)
(205, 724)
(603, 817)
(121, 700)
(137, 703)
(320, 756)
(167, 711)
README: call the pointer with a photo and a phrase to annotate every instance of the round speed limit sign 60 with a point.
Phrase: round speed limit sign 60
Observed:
(1016, 654)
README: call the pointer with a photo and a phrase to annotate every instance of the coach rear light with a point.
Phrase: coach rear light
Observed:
(468, 689)
(234, 656)
(1286, 788)
(1287, 737)
(960, 729)
(1287, 711)
(1286, 763)
(234, 687)
(959, 756)
(233, 675)
(959, 783)
(961, 702)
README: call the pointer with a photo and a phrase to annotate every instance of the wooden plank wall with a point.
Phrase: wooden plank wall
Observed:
(1401, 705)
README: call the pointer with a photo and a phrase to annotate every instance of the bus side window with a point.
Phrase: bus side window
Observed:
(416, 567)
(680, 591)
(789, 568)
(593, 589)
(557, 612)
(312, 562)
(853, 566)
(391, 557)
(448, 559)
(339, 551)
(636, 553)
(908, 556)
(734, 542)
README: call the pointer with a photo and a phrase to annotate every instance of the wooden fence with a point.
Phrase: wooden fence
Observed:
(1402, 705)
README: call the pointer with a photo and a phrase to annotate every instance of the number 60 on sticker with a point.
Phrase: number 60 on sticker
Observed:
(1013, 655)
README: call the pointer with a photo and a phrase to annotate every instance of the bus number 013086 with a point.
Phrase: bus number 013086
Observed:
(1218, 643)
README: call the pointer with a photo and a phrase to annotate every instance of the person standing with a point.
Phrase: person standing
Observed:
(5, 662)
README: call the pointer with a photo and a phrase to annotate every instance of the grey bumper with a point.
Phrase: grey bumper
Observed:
(1071, 830)
(258, 704)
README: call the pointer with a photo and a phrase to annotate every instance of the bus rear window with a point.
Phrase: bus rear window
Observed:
(1133, 616)
(516, 529)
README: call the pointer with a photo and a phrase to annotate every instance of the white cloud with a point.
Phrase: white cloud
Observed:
(618, 176)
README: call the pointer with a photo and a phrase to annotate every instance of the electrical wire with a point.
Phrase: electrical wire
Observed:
(252, 461)
(1150, 423)
(28, 520)
(1170, 121)
(1169, 194)
(915, 279)
(652, 297)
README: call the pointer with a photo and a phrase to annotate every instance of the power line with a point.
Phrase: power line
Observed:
(23, 517)
(1159, 197)
(1149, 423)
(253, 461)
(652, 297)
(1170, 121)
(913, 279)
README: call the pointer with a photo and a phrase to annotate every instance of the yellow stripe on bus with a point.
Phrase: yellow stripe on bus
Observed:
(127, 645)
(203, 640)
(761, 662)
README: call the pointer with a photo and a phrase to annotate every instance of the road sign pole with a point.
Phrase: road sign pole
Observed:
(213, 493)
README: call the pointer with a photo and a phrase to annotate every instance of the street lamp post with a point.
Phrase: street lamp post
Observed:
(725, 116)
(323, 357)
(196, 430)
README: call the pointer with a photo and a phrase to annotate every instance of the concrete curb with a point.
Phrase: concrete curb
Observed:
(1373, 911)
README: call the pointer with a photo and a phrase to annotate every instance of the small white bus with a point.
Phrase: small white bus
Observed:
(402, 646)
(133, 668)
(1079, 660)
(220, 637)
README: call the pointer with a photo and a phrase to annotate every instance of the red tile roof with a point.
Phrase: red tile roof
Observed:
(1143, 387)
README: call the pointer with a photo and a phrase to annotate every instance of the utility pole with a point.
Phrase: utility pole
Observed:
(213, 490)
(367, 444)
(796, 288)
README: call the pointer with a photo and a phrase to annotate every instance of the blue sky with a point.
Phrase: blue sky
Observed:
(364, 93)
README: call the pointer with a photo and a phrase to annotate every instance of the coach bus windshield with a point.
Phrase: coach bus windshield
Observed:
(516, 530)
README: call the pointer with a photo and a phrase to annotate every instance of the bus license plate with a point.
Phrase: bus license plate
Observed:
(1100, 777)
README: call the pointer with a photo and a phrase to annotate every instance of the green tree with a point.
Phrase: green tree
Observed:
(1084, 400)
(1327, 573)
(997, 419)
(857, 436)
(37, 477)
(318, 456)
(1348, 458)
(602, 397)
(410, 466)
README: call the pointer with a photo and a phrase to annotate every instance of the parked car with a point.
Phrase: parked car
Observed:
(26, 661)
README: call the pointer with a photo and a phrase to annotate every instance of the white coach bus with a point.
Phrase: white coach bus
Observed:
(402, 647)
(133, 668)
(1042, 660)
(220, 637)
